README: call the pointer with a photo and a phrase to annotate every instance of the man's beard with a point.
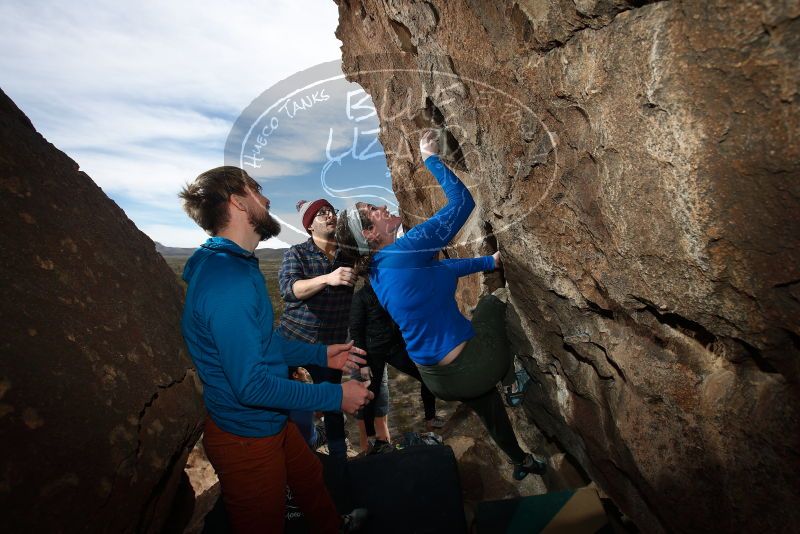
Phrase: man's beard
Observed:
(264, 225)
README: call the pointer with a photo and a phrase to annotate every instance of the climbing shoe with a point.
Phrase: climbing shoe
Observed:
(434, 423)
(354, 521)
(515, 393)
(529, 465)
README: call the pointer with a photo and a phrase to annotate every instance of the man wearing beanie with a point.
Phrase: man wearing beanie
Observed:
(318, 289)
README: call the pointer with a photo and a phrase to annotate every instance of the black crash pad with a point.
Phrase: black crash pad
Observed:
(415, 490)
(412, 490)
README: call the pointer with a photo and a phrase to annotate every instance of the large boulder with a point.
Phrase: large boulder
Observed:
(99, 404)
(637, 164)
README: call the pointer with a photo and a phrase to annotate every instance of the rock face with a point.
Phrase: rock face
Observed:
(484, 470)
(99, 407)
(637, 164)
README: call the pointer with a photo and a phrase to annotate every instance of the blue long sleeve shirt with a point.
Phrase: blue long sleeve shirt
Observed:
(243, 363)
(418, 290)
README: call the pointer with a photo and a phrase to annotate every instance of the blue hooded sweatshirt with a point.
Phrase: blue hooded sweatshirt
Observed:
(227, 324)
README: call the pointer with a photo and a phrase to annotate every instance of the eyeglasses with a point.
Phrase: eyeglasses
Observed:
(324, 212)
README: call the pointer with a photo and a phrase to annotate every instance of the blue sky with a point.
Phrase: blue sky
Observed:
(144, 96)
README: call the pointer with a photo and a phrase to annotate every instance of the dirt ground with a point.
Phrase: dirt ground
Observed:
(406, 413)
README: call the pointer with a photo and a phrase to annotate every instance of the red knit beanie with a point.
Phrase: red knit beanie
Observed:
(308, 210)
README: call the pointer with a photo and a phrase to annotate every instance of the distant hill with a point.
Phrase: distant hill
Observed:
(173, 252)
(177, 252)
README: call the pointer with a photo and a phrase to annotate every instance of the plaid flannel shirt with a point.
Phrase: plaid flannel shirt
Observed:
(321, 318)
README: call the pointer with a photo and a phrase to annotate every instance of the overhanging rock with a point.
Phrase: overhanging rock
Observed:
(638, 164)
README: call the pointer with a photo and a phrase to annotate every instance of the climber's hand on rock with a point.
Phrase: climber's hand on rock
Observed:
(429, 143)
(498, 261)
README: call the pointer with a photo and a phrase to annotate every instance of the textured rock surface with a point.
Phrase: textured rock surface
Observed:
(205, 488)
(98, 406)
(639, 164)
(484, 470)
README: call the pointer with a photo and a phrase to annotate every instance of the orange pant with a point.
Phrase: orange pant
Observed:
(254, 473)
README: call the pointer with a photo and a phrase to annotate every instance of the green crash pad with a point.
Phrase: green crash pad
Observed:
(573, 511)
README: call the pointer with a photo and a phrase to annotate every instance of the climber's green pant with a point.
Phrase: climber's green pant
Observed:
(471, 378)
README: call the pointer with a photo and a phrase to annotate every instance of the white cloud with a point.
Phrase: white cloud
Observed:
(142, 95)
(153, 177)
(121, 124)
(221, 54)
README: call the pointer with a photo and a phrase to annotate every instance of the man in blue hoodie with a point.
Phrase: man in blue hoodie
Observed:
(243, 363)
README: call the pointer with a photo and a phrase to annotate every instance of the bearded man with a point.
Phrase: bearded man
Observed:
(243, 364)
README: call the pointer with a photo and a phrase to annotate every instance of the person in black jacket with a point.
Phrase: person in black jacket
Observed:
(371, 327)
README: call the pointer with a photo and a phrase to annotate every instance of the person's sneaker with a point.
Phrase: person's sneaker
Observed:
(380, 447)
(529, 465)
(434, 424)
(354, 521)
(515, 393)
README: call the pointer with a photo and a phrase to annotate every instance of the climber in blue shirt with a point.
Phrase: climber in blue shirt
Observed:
(458, 359)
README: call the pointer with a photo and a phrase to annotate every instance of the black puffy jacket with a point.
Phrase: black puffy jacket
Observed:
(371, 327)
